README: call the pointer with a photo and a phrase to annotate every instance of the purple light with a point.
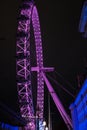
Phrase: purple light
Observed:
(30, 16)
(23, 64)
(23, 67)
(58, 103)
(39, 55)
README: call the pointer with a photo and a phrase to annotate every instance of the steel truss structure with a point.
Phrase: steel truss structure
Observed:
(29, 16)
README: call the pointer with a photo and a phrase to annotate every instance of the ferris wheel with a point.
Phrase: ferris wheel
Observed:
(28, 15)
(28, 18)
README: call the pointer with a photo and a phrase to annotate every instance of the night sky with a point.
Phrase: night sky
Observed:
(64, 48)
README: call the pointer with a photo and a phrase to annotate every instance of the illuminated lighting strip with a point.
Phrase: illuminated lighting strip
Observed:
(39, 57)
(57, 102)
(23, 64)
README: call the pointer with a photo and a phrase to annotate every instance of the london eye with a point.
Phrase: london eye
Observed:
(28, 19)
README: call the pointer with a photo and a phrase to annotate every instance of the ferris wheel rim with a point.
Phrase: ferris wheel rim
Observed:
(23, 65)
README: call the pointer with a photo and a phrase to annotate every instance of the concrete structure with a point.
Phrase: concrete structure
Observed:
(79, 109)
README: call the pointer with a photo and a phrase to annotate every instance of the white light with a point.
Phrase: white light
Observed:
(44, 123)
(46, 128)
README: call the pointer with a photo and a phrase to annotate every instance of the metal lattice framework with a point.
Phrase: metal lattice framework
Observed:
(28, 15)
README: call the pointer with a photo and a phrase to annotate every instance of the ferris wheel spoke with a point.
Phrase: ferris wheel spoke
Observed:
(29, 15)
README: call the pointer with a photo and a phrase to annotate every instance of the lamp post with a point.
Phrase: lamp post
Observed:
(49, 111)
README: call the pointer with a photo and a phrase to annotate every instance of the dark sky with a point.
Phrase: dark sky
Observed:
(64, 48)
